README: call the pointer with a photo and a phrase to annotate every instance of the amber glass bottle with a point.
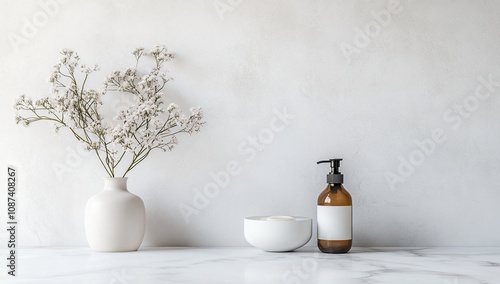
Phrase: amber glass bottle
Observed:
(334, 213)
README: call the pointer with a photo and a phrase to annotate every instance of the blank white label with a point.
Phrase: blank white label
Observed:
(334, 223)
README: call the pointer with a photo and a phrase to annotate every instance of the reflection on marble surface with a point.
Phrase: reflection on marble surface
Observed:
(249, 265)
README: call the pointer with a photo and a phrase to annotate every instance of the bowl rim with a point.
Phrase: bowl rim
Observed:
(262, 218)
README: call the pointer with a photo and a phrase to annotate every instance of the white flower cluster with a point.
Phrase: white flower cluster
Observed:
(142, 127)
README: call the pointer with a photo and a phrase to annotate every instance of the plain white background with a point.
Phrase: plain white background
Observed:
(370, 99)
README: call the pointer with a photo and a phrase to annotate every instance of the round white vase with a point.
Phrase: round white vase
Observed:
(115, 219)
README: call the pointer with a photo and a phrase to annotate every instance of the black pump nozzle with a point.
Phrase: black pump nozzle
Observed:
(334, 165)
(335, 176)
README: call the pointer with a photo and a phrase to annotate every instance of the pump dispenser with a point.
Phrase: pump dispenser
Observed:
(334, 213)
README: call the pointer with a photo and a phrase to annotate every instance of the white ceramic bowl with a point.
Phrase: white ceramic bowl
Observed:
(278, 233)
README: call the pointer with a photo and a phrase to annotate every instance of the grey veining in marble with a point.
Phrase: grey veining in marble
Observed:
(249, 265)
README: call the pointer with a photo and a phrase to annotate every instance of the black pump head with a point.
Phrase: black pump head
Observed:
(335, 176)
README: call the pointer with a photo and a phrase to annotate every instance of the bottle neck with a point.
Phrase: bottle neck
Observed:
(335, 186)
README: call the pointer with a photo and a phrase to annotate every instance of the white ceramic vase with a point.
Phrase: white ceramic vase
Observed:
(115, 219)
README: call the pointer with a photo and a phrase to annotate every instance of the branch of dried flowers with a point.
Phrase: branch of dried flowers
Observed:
(139, 129)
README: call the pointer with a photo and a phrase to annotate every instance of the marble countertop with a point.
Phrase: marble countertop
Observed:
(250, 265)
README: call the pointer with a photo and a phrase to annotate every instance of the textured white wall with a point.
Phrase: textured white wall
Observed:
(368, 98)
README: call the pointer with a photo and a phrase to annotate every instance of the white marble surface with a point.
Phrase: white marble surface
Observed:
(250, 265)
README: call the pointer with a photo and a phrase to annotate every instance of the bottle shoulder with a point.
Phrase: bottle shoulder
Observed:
(335, 195)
